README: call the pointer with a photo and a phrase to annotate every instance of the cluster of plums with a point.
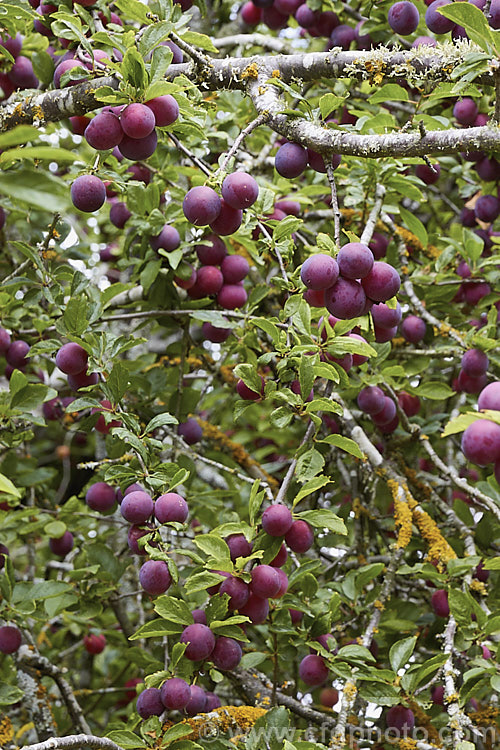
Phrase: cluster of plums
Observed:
(131, 129)
(220, 275)
(349, 285)
(15, 352)
(403, 18)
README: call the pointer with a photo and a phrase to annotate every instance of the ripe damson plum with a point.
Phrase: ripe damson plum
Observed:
(487, 208)
(201, 205)
(290, 160)
(240, 190)
(306, 17)
(400, 719)
(101, 425)
(234, 268)
(61, 545)
(5, 341)
(428, 175)
(475, 362)
(470, 384)
(137, 120)
(237, 590)
(82, 380)
(265, 581)
(385, 316)
(329, 697)
(72, 358)
(409, 403)
(165, 109)
(134, 534)
(101, 497)
(379, 245)
(154, 577)
(251, 14)
(171, 507)
(137, 149)
(200, 640)
(437, 695)
(190, 431)
(238, 546)
(273, 18)
(283, 583)
(403, 18)
(355, 260)
(317, 162)
(439, 603)
(199, 615)
(168, 239)
(342, 36)
(437, 23)
(319, 271)
(465, 111)
(382, 282)
(94, 644)
(212, 253)
(149, 703)
(413, 329)
(215, 334)
(17, 354)
(371, 400)
(256, 609)
(137, 507)
(212, 702)
(280, 558)
(104, 131)
(226, 654)
(313, 670)
(346, 299)
(232, 296)
(289, 206)
(489, 398)
(481, 442)
(175, 694)
(209, 280)
(228, 221)
(197, 702)
(10, 639)
(387, 414)
(88, 193)
(119, 215)
(277, 520)
(300, 536)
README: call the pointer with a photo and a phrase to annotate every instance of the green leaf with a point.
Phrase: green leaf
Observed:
(473, 245)
(20, 134)
(199, 40)
(75, 318)
(460, 423)
(355, 653)
(10, 694)
(175, 610)
(157, 629)
(324, 519)
(134, 10)
(126, 739)
(213, 545)
(159, 421)
(7, 486)
(55, 529)
(255, 501)
(31, 396)
(313, 485)
(36, 153)
(309, 464)
(329, 103)
(134, 70)
(414, 225)
(474, 22)
(346, 444)
(306, 376)
(175, 733)
(117, 382)
(391, 92)
(201, 582)
(35, 188)
(435, 390)
(401, 651)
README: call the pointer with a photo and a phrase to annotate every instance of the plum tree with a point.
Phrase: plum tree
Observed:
(256, 268)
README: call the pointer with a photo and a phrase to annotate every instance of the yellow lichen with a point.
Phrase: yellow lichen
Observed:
(478, 586)
(222, 719)
(6, 731)
(252, 71)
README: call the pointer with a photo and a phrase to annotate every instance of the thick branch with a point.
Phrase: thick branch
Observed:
(75, 741)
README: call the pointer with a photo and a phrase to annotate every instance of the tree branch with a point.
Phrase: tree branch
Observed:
(75, 741)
